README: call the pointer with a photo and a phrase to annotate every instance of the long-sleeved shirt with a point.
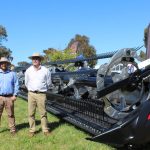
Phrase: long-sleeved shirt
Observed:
(37, 80)
(8, 83)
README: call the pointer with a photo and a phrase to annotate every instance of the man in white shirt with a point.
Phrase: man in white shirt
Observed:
(37, 81)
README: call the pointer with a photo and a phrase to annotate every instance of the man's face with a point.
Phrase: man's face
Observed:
(36, 61)
(4, 65)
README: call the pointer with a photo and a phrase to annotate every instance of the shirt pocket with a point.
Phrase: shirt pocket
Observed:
(42, 77)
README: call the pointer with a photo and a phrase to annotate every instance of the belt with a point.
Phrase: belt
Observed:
(37, 92)
(8, 95)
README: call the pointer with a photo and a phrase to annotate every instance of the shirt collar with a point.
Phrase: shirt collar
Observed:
(37, 68)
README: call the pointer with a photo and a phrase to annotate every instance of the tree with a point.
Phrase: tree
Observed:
(23, 64)
(3, 33)
(55, 55)
(4, 52)
(49, 54)
(142, 55)
(80, 45)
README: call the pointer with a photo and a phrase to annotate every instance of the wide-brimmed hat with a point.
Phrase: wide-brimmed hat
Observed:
(36, 55)
(4, 59)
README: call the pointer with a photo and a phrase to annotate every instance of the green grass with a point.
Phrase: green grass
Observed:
(64, 135)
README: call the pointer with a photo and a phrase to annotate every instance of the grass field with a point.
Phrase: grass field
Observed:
(64, 136)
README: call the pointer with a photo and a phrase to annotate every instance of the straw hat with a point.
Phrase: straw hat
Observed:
(36, 55)
(4, 59)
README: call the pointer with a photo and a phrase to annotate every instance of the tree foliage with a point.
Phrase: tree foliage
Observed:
(142, 55)
(56, 55)
(23, 64)
(83, 47)
(78, 45)
(4, 52)
(3, 33)
(49, 54)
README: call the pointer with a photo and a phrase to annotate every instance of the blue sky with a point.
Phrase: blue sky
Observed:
(35, 25)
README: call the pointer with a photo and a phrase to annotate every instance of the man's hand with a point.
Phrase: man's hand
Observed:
(13, 98)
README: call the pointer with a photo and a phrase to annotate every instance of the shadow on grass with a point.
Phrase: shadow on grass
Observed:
(52, 125)
(4, 130)
(26, 125)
